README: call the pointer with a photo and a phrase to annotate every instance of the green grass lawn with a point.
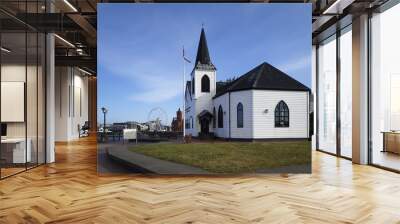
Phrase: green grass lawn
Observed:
(231, 157)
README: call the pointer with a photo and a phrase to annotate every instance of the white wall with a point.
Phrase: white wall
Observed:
(17, 73)
(33, 126)
(71, 94)
(198, 74)
(189, 112)
(50, 94)
(258, 124)
(12, 73)
(80, 104)
(244, 97)
(223, 101)
(62, 81)
(264, 123)
(200, 100)
(13, 101)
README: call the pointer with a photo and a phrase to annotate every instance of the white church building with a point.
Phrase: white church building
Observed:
(264, 103)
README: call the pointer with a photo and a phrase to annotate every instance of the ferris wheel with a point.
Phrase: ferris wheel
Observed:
(158, 115)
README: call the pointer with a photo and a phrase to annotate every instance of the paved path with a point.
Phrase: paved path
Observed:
(106, 165)
(151, 164)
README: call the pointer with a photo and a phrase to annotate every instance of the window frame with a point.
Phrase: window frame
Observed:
(205, 84)
(220, 117)
(282, 120)
(239, 119)
(192, 85)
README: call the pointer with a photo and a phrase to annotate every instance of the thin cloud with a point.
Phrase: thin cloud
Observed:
(296, 64)
(155, 95)
(147, 85)
(156, 88)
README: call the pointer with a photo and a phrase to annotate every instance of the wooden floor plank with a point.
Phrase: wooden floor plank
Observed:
(70, 191)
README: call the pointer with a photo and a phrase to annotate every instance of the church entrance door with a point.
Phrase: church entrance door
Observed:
(205, 126)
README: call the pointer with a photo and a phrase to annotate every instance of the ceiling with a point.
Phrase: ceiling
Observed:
(75, 21)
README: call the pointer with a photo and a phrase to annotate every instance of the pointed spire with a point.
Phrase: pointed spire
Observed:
(203, 57)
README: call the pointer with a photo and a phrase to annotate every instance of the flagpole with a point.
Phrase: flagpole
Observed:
(184, 88)
(184, 92)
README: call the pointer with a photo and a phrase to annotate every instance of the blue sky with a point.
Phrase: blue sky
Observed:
(140, 49)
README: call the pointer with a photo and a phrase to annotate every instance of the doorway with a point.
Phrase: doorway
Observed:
(205, 126)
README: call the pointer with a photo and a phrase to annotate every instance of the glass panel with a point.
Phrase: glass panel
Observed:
(385, 89)
(23, 91)
(13, 90)
(327, 95)
(346, 92)
(32, 89)
(41, 98)
(31, 98)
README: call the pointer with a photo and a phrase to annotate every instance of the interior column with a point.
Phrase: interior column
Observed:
(360, 90)
(50, 92)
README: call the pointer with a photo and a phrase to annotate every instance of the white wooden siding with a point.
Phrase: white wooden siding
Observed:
(201, 101)
(198, 74)
(244, 97)
(223, 101)
(264, 122)
(189, 112)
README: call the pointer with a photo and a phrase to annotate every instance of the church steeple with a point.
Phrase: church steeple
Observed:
(203, 60)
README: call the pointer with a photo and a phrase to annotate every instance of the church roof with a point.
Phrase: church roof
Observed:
(264, 77)
(205, 114)
(203, 60)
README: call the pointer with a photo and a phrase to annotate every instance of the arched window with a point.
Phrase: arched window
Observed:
(281, 115)
(214, 118)
(239, 117)
(193, 86)
(220, 117)
(205, 84)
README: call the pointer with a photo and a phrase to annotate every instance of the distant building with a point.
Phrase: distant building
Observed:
(127, 124)
(177, 122)
(156, 125)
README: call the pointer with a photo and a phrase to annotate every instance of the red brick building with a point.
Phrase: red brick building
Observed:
(177, 122)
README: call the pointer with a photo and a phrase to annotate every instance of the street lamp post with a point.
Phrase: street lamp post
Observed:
(104, 110)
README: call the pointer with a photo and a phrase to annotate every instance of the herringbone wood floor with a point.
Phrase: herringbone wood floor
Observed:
(70, 191)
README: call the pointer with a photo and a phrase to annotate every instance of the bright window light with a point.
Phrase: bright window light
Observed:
(338, 6)
(64, 40)
(70, 5)
(5, 50)
(84, 71)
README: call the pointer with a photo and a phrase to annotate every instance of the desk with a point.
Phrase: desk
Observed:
(391, 141)
(13, 150)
